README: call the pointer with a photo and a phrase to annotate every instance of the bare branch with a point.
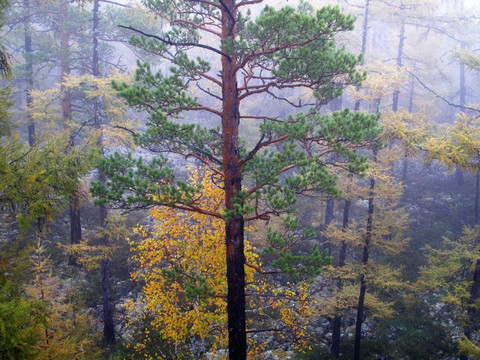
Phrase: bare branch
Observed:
(171, 43)
(192, 208)
(116, 3)
(208, 92)
(206, 2)
(261, 144)
(260, 118)
(211, 78)
(249, 2)
(126, 129)
(263, 330)
(441, 97)
(299, 105)
(198, 26)
(260, 270)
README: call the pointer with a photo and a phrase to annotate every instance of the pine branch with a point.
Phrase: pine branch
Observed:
(171, 43)
(249, 2)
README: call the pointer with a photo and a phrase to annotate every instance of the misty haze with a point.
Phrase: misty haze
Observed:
(240, 179)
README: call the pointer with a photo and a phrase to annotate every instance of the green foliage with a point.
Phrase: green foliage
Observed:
(466, 347)
(20, 316)
(19, 320)
(36, 180)
(468, 58)
(450, 271)
(6, 126)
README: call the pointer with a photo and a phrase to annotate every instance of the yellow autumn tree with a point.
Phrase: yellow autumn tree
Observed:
(182, 264)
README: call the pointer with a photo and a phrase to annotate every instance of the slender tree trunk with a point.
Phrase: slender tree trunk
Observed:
(459, 172)
(234, 230)
(108, 327)
(474, 293)
(462, 92)
(28, 55)
(366, 251)
(337, 320)
(363, 280)
(335, 105)
(364, 41)
(477, 190)
(330, 206)
(412, 90)
(66, 105)
(410, 109)
(399, 64)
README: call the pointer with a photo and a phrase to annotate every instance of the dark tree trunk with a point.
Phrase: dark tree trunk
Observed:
(412, 90)
(66, 105)
(474, 292)
(75, 224)
(337, 320)
(366, 251)
(364, 41)
(330, 206)
(234, 231)
(477, 190)
(363, 281)
(462, 92)
(28, 55)
(329, 212)
(410, 109)
(108, 328)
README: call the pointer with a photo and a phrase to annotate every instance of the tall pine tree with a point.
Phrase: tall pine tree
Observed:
(280, 50)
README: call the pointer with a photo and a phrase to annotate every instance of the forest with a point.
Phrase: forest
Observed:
(239, 179)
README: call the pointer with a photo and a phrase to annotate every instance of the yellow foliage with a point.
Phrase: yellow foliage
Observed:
(182, 262)
(383, 79)
(411, 129)
(450, 269)
(66, 331)
(456, 145)
(45, 109)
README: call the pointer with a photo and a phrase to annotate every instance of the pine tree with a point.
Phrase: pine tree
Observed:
(281, 49)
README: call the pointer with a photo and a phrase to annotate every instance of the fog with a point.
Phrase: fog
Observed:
(212, 179)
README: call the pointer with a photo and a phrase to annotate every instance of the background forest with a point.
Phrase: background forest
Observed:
(358, 196)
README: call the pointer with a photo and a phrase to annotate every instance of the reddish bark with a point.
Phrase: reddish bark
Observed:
(234, 234)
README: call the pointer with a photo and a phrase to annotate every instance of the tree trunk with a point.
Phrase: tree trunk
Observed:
(337, 320)
(477, 189)
(363, 281)
(474, 293)
(330, 206)
(462, 92)
(234, 230)
(66, 105)
(75, 223)
(28, 55)
(364, 42)
(399, 64)
(410, 109)
(108, 328)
